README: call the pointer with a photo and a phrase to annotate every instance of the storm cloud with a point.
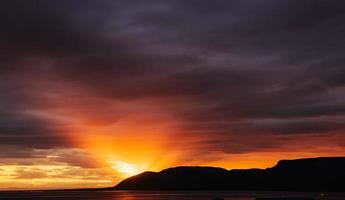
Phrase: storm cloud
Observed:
(246, 76)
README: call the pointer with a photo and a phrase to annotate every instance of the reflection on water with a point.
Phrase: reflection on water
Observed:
(158, 195)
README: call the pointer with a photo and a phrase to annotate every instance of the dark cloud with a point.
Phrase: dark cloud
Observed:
(23, 130)
(247, 67)
(298, 126)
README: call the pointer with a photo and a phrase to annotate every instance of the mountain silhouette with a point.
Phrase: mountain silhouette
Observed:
(310, 174)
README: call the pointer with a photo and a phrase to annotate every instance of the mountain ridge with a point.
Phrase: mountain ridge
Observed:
(307, 174)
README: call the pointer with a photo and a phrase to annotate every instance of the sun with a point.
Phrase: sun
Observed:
(126, 169)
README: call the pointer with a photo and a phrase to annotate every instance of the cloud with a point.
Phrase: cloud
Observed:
(241, 76)
(30, 173)
(76, 158)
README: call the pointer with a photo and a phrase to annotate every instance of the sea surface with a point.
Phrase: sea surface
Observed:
(158, 195)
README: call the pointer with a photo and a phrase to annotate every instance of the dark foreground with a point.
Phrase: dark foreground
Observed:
(159, 195)
(311, 174)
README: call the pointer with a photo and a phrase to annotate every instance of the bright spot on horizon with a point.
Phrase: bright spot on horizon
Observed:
(126, 169)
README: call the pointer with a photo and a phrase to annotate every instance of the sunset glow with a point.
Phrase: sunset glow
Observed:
(95, 92)
(126, 169)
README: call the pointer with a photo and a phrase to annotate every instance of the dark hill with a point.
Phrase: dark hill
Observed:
(312, 174)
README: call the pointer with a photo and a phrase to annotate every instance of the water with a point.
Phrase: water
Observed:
(157, 195)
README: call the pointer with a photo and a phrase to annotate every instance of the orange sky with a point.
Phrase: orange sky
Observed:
(94, 92)
(144, 135)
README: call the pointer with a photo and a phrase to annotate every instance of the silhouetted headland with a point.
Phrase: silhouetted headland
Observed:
(311, 174)
(287, 198)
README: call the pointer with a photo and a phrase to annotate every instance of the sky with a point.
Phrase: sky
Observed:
(92, 92)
